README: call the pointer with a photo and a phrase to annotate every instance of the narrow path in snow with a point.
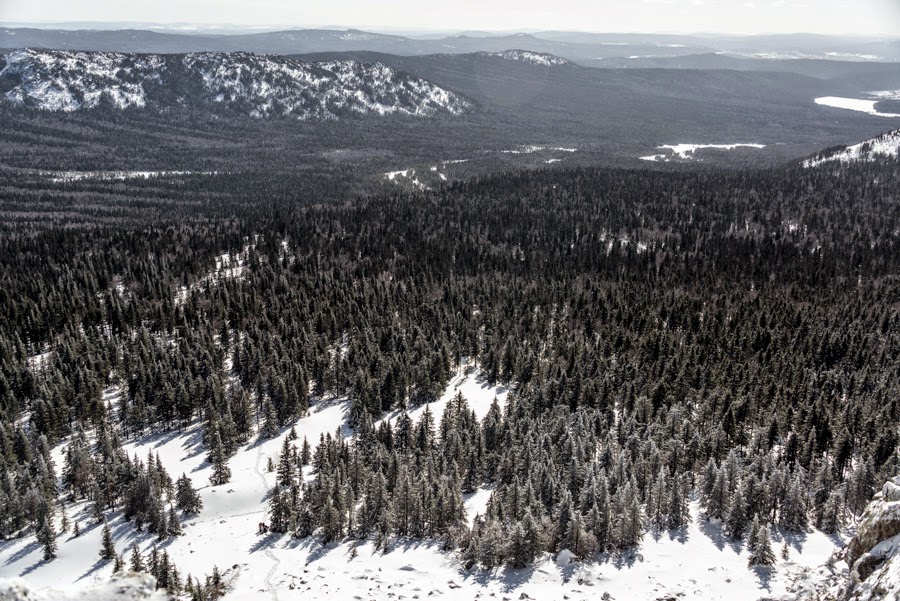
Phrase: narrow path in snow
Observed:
(269, 586)
(275, 561)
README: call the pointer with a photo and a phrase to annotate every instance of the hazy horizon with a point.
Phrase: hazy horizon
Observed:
(685, 17)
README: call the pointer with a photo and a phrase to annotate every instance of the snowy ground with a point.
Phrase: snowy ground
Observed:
(689, 151)
(696, 562)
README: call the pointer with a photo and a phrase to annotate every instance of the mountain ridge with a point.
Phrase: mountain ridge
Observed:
(259, 86)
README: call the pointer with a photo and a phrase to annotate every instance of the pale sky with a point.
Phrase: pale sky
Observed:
(874, 17)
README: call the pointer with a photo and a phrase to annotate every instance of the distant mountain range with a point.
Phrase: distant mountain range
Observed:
(579, 47)
(258, 86)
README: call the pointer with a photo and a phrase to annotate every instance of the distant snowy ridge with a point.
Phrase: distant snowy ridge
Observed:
(259, 86)
(534, 58)
(884, 146)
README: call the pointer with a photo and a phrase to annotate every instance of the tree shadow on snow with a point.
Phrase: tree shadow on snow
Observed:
(265, 541)
(21, 553)
(764, 575)
(679, 534)
(796, 540)
(713, 532)
(509, 579)
(97, 565)
(33, 567)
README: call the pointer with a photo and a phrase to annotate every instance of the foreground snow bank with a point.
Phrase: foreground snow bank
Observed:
(133, 587)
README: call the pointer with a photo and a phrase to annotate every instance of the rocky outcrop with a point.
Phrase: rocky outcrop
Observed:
(131, 587)
(874, 553)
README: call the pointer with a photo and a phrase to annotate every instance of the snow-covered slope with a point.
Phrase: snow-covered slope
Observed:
(534, 58)
(697, 562)
(260, 86)
(885, 145)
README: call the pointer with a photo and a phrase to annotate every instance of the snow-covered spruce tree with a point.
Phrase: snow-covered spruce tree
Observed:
(762, 554)
(793, 513)
(46, 535)
(221, 473)
(286, 464)
(136, 562)
(173, 524)
(752, 533)
(107, 547)
(519, 552)
(279, 511)
(677, 512)
(736, 522)
(187, 499)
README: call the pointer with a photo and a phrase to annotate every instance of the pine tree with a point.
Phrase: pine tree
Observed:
(785, 551)
(107, 548)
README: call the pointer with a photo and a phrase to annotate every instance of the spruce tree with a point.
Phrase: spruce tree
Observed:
(136, 562)
(107, 547)
(286, 466)
(187, 499)
(47, 537)
(762, 549)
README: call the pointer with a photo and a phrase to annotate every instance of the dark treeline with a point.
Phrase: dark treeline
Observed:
(733, 335)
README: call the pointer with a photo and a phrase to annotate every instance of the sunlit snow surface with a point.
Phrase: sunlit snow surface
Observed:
(695, 563)
(855, 104)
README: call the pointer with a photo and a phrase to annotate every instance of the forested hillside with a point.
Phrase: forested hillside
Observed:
(733, 335)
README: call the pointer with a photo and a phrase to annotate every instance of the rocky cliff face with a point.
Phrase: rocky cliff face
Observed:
(872, 558)
(874, 553)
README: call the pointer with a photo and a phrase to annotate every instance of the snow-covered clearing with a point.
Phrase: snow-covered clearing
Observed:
(855, 104)
(530, 149)
(694, 563)
(689, 151)
(408, 175)
(228, 267)
(468, 381)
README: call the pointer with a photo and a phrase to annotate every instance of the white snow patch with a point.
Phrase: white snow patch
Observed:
(854, 104)
(688, 151)
(534, 58)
